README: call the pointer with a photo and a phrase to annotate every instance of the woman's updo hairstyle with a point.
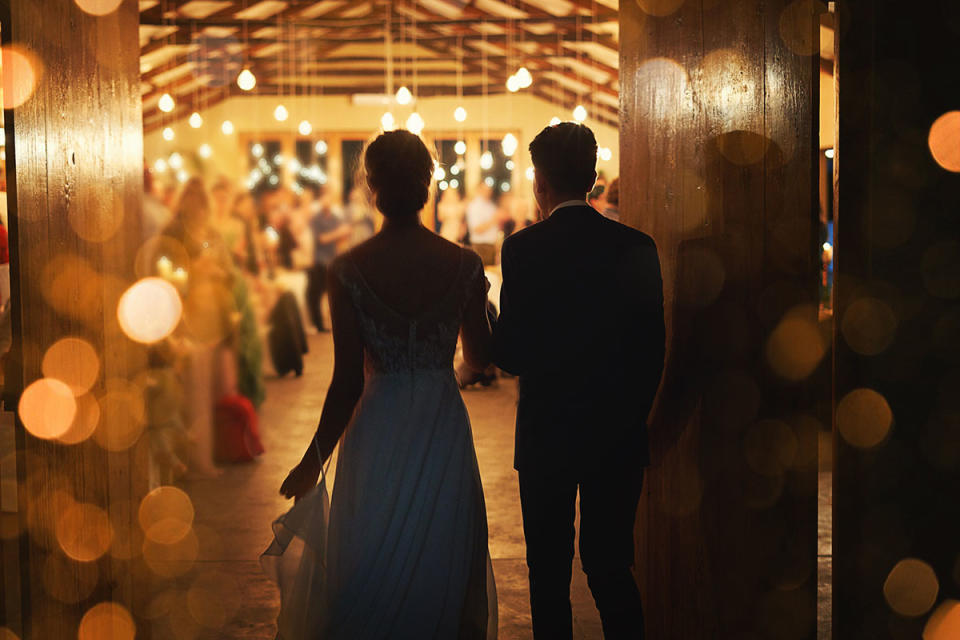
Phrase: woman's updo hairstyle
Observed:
(398, 168)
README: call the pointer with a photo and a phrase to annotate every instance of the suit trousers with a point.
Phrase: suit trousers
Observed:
(608, 507)
(316, 287)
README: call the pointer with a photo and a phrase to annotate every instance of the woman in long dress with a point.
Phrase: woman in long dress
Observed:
(400, 552)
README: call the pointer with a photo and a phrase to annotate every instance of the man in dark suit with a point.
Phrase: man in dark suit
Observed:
(581, 324)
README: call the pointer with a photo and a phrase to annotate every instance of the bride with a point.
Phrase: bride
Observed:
(400, 550)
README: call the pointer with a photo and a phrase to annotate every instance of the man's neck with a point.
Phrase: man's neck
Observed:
(558, 199)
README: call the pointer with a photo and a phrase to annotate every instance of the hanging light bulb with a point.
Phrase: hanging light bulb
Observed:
(168, 134)
(415, 123)
(205, 151)
(524, 77)
(509, 144)
(554, 121)
(387, 121)
(175, 161)
(460, 114)
(227, 128)
(257, 150)
(160, 165)
(166, 103)
(438, 172)
(486, 160)
(320, 147)
(196, 120)
(304, 127)
(460, 147)
(280, 113)
(246, 80)
(604, 154)
(403, 95)
(580, 113)
(513, 84)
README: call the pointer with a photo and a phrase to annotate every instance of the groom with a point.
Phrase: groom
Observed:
(581, 324)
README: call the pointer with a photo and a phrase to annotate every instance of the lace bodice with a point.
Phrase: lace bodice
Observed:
(395, 342)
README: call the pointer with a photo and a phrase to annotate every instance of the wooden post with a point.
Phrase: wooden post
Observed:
(717, 162)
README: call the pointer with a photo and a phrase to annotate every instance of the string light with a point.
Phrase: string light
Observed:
(320, 147)
(166, 103)
(403, 95)
(460, 147)
(168, 134)
(227, 128)
(415, 123)
(246, 80)
(513, 84)
(280, 113)
(205, 150)
(387, 121)
(524, 78)
(580, 113)
(304, 127)
(604, 154)
(486, 160)
(196, 120)
(554, 121)
(509, 144)
(460, 114)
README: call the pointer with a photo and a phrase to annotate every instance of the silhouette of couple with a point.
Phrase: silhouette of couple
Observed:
(400, 551)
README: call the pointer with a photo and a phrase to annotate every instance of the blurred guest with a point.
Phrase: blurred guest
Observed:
(359, 215)
(221, 197)
(164, 404)
(155, 214)
(482, 226)
(248, 251)
(328, 230)
(505, 216)
(451, 216)
(612, 209)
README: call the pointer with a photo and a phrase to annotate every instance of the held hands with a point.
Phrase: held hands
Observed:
(303, 477)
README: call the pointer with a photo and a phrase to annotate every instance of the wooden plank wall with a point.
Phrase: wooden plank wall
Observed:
(896, 528)
(79, 155)
(718, 140)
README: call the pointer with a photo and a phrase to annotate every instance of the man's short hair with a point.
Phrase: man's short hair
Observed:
(565, 155)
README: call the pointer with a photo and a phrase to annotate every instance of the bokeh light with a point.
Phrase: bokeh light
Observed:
(770, 447)
(864, 418)
(941, 269)
(171, 560)
(85, 422)
(800, 26)
(743, 147)
(127, 540)
(98, 7)
(21, 74)
(74, 362)
(47, 408)
(795, 347)
(149, 310)
(166, 515)
(84, 532)
(107, 620)
(868, 326)
(213, 599)
(8, 634)
(69, 283)
(944, 141)
(68, 581)
(944, 623)
(99, 213)
(911, 587)
(122, 420)
(663, 90)
(701, 277)
(659, 8)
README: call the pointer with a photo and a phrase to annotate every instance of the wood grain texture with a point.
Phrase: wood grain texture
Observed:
(79, 155)
(717, 164)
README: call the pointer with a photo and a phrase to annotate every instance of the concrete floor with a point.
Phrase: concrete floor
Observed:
(234, 512)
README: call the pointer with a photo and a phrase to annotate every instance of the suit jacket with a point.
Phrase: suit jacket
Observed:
(581, 324)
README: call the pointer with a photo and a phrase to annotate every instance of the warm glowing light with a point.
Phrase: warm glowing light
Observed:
(459, 114)
(74, 362)
(443, 185)
(489, 181)
(305, 128)
(107, 620)
(486, 160)
(205, 150)
(166, 515)
(175, 161)
(213, 599)
(513, 84)
(529, 173)
(659, 8)
(84, 532)
(166, 103)
(944, 140)
(554, 121)
(911, 587)
(195, 120)
(280, 114)
(182, 176)
(170, 560)
(98, 7)
(160, 165)
(320, 147)
(438, 172)
(246, 80)
(509, 144)
(604, 154)
(257, 150)
(7, 634)
(868, 326)
(579, 113)
(504, 186)
(510, 165)
(864, 418)
(795, 347)
(387, 122)
(799, 26)
(149, 310)
(415, 123)
(227, 127)
(403, 95)
(460, 147)
(944, 623)
(123, 416)
(455, 170)
(829, 153)
(47, 408)
(168, 134)
(524, 77)
(68, 581)
(85, 422)
(454, 183)
(21, 74)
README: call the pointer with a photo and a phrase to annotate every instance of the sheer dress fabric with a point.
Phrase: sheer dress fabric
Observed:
(400, 549)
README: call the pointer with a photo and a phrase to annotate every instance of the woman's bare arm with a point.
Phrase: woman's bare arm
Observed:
(476, 332)
(342, 396)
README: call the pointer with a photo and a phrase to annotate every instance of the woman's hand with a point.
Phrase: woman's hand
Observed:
(301, 479)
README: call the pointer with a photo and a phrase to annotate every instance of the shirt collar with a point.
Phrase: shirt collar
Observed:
(569, 203)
